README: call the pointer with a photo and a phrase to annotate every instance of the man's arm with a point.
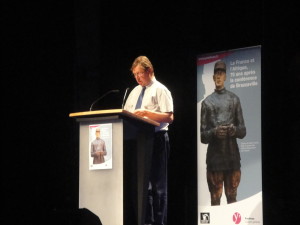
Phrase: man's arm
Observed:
(156, 116)
(240, 124)
(206, 132)
(92, 150)
(104, 149)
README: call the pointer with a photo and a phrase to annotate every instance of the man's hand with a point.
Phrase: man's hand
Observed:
(225, 130)
(140, 112)
(221, 132)
(100, 153)
(231, 130)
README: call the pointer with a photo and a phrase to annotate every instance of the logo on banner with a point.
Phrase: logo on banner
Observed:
(236, 218)
(204, 218)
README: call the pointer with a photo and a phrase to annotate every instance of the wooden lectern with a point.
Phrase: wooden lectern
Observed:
(116, 195)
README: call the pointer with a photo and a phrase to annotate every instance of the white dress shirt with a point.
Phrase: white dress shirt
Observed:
(157, 98)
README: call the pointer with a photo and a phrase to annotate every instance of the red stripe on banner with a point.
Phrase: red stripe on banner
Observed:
(211, 58)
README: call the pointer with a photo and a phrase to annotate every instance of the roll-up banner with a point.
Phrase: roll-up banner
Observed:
(229, 137)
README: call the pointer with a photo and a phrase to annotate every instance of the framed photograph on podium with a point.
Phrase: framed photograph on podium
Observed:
(100, 146)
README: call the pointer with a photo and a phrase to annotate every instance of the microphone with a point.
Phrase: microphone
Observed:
(111, 91)
(124, 97)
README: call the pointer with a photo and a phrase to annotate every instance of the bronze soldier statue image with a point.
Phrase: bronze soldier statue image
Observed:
(222, 123)
(98, 149)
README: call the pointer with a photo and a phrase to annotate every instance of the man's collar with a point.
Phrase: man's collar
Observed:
(153, 80)
(220, 90)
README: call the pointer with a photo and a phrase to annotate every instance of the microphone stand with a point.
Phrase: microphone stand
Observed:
(124, 97)
(114, 91)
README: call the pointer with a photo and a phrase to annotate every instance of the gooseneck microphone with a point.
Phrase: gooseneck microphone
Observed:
(124, 98)
(98, 99)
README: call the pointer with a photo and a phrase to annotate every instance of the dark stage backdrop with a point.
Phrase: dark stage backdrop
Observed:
(60, 56)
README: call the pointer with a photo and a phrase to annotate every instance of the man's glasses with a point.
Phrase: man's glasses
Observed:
(139, 74)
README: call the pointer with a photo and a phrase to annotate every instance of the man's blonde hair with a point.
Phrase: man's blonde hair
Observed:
(142, 61)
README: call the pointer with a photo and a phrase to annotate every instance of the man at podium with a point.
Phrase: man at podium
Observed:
(153, 100)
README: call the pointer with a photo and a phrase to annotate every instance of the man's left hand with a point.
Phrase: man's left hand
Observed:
(231, 130)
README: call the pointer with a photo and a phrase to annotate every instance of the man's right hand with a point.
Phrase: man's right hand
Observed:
(221, 132)
(99, 153)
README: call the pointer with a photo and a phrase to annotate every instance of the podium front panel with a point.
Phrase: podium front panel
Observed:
(117, 195)
(101, 191)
